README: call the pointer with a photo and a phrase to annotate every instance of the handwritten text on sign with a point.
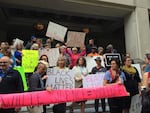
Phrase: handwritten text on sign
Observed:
(75, 39)
(60, 79)
(93, 80)
(29, 60)
(52, 54)
(136, 104)
(60, 96)
(56, 31)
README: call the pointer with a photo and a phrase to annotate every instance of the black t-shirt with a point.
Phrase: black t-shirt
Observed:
(98, 70)
(131, 82)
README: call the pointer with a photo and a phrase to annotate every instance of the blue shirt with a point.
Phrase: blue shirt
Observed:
(147, 69)
(109, 78)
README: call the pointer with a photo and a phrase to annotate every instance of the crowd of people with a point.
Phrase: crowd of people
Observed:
(72, 58)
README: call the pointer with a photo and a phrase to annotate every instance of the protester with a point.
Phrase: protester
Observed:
(93, 52)
(65, 55)
(44, 58)
(114, 76)
(34, 47)
(146, 67)
(96, 70)
(101, 51)
(31, 42)
(80, 72)
(110, 49)
(36, 84)
(47, 47)
(89, 46)
(10, 82)
(2, 46)
(49, 42)
(74, 55)
(40, 43)
(145, 91)
(61, 66)
(18, 53)
(132, 83)
(6, 51)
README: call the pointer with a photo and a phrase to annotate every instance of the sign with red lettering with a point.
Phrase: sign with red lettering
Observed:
(93, 80)
(60, 96)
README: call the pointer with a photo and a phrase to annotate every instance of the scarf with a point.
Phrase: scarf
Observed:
(131, 70)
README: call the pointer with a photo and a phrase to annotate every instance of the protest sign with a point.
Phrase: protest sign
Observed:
(56, 31)
(52, 55)
(75, 39)
(138, 67)
(60, 78)
(136, 104)
(60, 96)
(91, 62)
(29, 60)
(93, 80)
(109, 56)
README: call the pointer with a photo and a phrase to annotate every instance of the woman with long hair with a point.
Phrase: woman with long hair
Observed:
(132, 83)
(61, 66)
(80, 71)
(114, 76)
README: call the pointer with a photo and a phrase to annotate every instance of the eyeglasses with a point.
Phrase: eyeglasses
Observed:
(3, 62)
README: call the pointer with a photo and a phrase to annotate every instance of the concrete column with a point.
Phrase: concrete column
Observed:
(137, 33)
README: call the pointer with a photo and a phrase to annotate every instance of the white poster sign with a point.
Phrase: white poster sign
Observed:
(93, 80)
(56, 31)
(53, 55)
(138, 67)
(60, 79)
(75, 39)
(136, 104)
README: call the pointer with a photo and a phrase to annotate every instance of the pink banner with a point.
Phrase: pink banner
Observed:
(60, 96)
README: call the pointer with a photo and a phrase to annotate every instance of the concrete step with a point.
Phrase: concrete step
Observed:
(89, 107)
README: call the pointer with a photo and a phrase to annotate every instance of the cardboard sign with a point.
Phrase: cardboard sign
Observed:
(60, 78)
(29, 60)
(93, 80)
(60, 96)
(138, 67)
(75, 39)
(52, 54)
(136, 104)
(91, 62)
(108, 58)
(56, 31)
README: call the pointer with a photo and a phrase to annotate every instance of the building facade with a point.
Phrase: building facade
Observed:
(135, 15)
